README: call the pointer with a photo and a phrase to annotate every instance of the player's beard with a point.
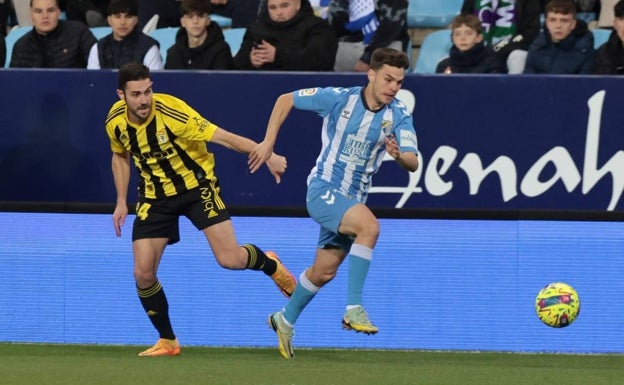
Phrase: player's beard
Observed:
(141, 113)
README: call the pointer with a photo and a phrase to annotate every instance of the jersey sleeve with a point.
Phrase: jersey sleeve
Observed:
(319, 100)
(404, 131)
(115, 144)
(190, 124)
(111, 123)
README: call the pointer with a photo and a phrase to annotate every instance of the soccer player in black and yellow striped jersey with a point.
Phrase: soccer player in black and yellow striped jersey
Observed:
(166, 139)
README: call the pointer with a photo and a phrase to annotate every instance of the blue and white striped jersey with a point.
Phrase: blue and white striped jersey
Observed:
(353, 137)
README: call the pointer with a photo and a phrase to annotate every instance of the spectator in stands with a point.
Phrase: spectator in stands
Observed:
(362, 26)
(126, 43)
(565, 46)
(90, 12)
(52, 43)
(242, 12)
(509, 27)
(469, 54)
(288, 37)
(606, 15)
(199, 43)
(609, 58)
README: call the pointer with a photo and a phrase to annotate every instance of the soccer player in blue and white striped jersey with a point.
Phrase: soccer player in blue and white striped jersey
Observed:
(360, 124)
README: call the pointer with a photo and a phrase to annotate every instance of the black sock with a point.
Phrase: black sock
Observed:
(259, 261)
(156, 306)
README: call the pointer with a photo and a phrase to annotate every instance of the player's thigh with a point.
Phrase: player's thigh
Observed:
(223, 242)
(147, 254)
(206, 210)
(359, 220)
(327, 206)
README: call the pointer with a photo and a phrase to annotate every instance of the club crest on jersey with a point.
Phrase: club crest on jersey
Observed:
(386, 126)
(162, 137)
(308, 92)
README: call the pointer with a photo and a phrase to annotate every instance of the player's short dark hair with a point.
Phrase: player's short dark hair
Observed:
(564, 7)
(129, 7)
(389, 56)
(130, 72)
(618, 9)
(200, 7)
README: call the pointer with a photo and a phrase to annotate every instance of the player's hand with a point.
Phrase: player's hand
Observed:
(119, 217)
(277, 165)
(392, 147)
(258, 156)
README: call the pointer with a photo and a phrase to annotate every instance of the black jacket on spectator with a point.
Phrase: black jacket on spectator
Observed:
(67, 46)
(213, 54)
(114, 54)
(477, 60)
(528, 24)
(304, 43)
(572, 55)
(609, 59)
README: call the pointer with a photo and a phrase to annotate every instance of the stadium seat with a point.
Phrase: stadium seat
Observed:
(100, 32)
(166, 38)
(432, 13)
(234, 38)
(601, 36)
(11, 38)
(435, 47)
(224, 22)
(587, 17)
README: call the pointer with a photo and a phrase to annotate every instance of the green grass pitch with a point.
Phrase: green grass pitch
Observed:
(118, 365)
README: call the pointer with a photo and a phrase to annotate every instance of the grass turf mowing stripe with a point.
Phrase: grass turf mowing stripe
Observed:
(100, 364)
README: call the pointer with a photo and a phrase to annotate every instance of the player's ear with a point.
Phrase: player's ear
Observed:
(371, 75)
(120, 93)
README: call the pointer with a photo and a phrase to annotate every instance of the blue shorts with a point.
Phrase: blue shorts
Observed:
(326, 205)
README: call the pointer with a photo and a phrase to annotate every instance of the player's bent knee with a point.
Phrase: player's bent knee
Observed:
(144, 278)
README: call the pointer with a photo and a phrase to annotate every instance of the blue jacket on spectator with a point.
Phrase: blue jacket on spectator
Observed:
(572, 55)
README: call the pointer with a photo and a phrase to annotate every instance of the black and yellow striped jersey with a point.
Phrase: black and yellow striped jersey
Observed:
(169, 149)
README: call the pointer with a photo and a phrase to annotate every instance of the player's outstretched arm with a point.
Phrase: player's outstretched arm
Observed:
(275, 163)
(121, 176)
(277, 166)
(262, 152)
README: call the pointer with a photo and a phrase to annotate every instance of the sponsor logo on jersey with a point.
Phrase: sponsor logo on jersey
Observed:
(201, 123)
(407, 139)
(308, 92)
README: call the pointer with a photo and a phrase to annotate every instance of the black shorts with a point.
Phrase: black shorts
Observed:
(160, 218)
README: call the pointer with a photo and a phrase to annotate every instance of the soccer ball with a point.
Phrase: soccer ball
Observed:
(557, 305)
